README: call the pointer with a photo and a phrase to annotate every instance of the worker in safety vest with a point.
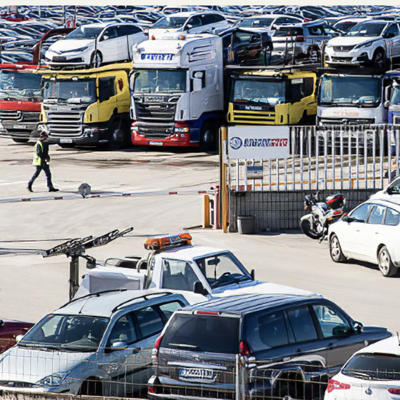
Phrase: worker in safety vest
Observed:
(41, 160)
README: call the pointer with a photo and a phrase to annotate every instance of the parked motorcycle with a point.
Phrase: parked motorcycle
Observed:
(315, 225)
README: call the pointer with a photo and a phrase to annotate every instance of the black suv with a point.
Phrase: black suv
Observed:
(262, 345)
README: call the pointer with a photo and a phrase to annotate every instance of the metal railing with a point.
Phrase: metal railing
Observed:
(336, 157)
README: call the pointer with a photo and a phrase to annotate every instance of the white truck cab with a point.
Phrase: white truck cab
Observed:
(177, 90)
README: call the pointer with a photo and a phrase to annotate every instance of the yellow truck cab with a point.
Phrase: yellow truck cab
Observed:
(86, 106)
(271, 96)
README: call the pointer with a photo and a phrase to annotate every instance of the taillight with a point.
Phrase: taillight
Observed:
(337, 212)
(244, 348)
(394, 391)
(336, 385)
(150, 389)
(299, 38)
(154, 353)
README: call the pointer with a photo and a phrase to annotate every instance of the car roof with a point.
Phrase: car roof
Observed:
(105, 304)
(269, 16)
(247, 304)
(390, 345)
(191, 13)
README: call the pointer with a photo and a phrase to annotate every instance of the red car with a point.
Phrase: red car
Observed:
(9, 330)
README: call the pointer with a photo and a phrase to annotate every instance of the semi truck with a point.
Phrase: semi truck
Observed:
(177, 91)
(86, 107)
(271, 96)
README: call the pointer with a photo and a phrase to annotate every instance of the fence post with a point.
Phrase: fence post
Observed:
(223, 183)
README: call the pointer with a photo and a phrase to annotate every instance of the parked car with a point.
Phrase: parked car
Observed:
(95, 44)
(345, 24)
(286, 341)
(369, 233)
(390, 193)
(370, 42)
(371, 373)
(190, 22)
(9, 330)
(268, 22)
(97, 345)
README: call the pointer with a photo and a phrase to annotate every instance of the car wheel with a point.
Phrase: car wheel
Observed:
(335, 250)
(379, 61)
(385, 263)
(96, 59)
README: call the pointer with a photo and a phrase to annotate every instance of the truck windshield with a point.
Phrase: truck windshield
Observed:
(169, 22)
(222, 269)
(255, 91)
(66, 332)
(70, 91)
(159, 80)
(350, 90)
(85, 32)
(23, 86)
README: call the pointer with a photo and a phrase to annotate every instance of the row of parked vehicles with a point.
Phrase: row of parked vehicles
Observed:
(176, 323)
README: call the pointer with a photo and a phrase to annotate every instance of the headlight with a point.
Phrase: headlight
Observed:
(366, 44)
(53, 380)
(329, 46)
(71, 50)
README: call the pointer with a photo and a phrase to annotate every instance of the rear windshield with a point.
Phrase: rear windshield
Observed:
(209, 333)
(384, 367)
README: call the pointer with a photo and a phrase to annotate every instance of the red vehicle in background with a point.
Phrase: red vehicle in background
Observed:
(9, 330)
(20, 94)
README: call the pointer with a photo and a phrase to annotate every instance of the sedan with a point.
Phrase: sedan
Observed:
(369, 233)
(95, 44)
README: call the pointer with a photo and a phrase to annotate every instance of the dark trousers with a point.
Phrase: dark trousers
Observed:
(46, 168)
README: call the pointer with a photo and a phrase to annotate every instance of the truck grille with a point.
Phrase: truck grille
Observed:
(65, 123)
(10, 114)
(164, 112)
(156, 131)
(31, 116)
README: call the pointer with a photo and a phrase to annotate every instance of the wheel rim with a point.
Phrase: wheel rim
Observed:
(378, 60)
(335, 248)
(384, 261)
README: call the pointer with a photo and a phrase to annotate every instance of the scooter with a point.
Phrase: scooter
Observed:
(315, 225)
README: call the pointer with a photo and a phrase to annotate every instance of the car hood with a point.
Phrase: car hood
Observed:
(31, 365)
(65, 45)
(350, 41)
(252, 287)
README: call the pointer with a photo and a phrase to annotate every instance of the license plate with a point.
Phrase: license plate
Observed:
(197, 375)
(20, 127)
(59, 59)
(155, 143)
(66, 141)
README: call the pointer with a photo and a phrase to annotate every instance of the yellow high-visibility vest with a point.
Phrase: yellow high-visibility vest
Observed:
(36, 159)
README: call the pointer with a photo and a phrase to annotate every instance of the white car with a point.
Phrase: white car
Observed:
(95, 44)
(371, 233)
(269, 22)
(372, 373)
(390, 193)
(369, 42)
(189, 22)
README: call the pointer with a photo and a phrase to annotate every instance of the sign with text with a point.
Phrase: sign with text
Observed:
(260, 142)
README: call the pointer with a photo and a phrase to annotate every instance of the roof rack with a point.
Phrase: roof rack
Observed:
(145, 296)
(92, 294)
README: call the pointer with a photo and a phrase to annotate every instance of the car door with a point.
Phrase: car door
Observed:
(194, 24)
(108, 44)
(392, 38)
(391, 227)
(129, 34)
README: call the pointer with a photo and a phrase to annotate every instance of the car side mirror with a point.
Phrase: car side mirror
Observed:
(389, 35)
(357, 327)
(188, 26)
(252, 274)
(389, 190)
(199, 288)
(118, 346)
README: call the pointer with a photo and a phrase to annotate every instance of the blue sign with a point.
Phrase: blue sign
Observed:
(157, 57)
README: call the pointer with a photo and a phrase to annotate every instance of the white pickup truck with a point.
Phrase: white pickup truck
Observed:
(175, 264)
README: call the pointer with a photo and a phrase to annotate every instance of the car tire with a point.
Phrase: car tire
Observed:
(385, 263)
(96, 59)
(335, 250)
(379, 60)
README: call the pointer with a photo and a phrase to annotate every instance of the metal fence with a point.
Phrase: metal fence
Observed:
(337, 157)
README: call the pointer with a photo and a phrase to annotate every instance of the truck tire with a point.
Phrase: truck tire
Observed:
(96, 59)
(208, 137)
(118, 138)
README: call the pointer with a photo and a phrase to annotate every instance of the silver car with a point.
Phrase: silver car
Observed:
(99, 344)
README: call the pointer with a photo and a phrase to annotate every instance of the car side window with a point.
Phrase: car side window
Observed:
(168, 309)
(109, 33)
(392, 29)
(272, 330)
(302, 324)
(126, 30)
(149, 321)
(376, 215)
(217, 18)
(392, 217)
(331, 322)
(122, 331)
(194, 22)
(360, 214)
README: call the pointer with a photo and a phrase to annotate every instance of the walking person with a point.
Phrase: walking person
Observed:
(41, 160)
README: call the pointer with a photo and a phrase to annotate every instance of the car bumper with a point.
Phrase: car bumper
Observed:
(348, 58)
(73, 58)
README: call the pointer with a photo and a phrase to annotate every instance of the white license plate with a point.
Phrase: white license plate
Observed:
(66, 141)
(197, 374)
(20, 127)
(155, 143)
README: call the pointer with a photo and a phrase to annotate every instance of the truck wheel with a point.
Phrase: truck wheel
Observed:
(379, 60)
(118, 137)
(96, 59)
(208, 137)
(20, 140)
(385, 263)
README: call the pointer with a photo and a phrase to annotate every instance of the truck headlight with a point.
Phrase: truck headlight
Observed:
(54, 380)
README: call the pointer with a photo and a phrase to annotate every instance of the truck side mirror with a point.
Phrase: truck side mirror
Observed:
(199, 288)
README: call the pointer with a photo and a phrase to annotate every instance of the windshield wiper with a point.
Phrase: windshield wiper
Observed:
(190, 346)
(357, 374)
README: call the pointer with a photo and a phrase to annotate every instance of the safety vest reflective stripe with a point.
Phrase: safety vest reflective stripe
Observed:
(36, 159)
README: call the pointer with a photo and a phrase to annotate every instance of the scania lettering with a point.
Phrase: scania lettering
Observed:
(177, 91)
(87, 107)
(271, 97)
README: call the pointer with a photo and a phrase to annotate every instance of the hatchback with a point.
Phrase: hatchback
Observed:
(369, 233)
(286, 342)
(98, 344)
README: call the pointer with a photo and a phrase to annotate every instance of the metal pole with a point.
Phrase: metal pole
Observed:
(223, 182)
(73, 276)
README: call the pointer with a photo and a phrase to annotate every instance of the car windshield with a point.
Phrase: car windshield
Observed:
(344, 91)
(85, 32)
(368, 30)
(159, 81)
(76, 333)
(254, 91)
(70, 91)
(376, 366)
(256, 22)
(222, 269)
(169, 22)
(20, 86)
(345, 26)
